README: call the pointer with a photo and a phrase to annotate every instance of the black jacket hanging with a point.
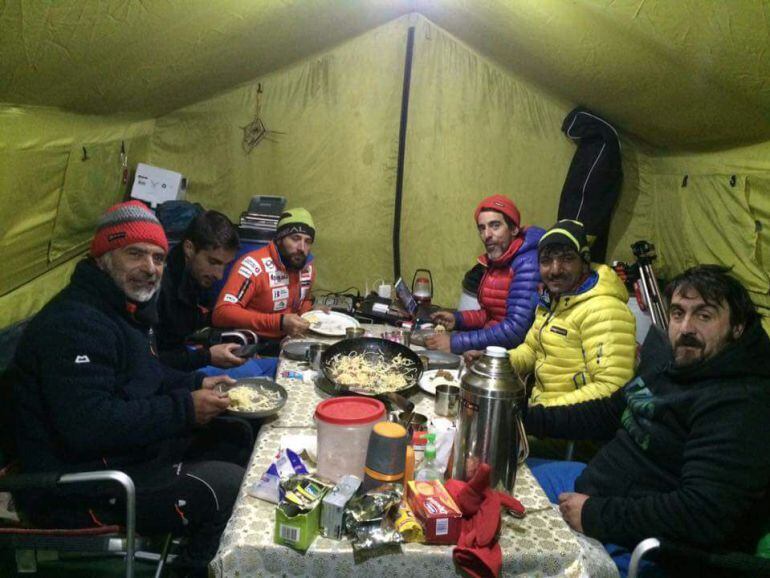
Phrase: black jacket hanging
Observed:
(594, 178)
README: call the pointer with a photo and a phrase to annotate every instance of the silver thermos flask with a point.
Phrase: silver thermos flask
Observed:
(489, 427)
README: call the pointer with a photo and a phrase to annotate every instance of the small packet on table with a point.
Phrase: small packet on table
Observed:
(408, 525)
(369, 518)
(334, 506)
(286, 465)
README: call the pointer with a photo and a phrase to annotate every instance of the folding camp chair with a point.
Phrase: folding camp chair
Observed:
(703, 562)
(113, 539)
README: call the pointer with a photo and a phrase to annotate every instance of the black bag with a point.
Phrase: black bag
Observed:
(176, 216)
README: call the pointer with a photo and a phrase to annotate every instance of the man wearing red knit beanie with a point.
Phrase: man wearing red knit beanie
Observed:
(90, 394)
(507, 293)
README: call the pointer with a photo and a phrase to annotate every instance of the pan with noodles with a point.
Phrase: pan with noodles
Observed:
(371, 366)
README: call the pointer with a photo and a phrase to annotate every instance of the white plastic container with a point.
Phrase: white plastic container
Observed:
(344, 426)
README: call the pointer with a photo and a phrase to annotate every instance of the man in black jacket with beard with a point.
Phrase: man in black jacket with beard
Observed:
(688, 459)
(90, 394)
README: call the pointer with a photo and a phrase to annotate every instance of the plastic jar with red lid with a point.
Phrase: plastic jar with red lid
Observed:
(344, 426)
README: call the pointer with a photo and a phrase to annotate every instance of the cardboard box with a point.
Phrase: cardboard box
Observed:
(436, 510)
(298, 531)
(155, 185)
(334, 503)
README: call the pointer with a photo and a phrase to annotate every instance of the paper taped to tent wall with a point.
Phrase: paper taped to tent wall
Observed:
(491, 83)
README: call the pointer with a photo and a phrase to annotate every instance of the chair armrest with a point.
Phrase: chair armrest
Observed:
(713, 558)
(642, 549)
(52, 480)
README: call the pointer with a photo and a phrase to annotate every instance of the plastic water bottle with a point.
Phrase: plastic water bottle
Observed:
(428, 470)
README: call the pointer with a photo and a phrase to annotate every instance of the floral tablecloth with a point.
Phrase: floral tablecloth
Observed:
(541, 544)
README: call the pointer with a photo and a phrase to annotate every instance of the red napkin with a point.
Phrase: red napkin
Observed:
(477, 551)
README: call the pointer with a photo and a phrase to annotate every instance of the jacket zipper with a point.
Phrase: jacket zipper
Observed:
(548, 318)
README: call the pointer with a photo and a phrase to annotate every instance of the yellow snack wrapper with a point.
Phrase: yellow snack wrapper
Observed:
(408, 525)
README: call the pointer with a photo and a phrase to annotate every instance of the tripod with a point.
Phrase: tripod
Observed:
(644, 251)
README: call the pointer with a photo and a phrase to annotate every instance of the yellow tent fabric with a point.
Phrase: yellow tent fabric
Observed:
(684, 82)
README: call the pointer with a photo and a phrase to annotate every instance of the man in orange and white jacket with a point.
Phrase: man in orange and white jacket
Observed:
(269, 289)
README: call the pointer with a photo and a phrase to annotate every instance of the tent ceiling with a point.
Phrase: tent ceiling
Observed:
(155, 56)
(684, 74)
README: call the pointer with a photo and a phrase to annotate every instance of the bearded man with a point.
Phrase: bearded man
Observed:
(89, 393)
(269, 289)
(507, 292)
(687, 459)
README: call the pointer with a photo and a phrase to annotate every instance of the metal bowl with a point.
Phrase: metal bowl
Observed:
(258, 383)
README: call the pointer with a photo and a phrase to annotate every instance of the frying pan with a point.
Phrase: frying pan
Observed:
(375, 347)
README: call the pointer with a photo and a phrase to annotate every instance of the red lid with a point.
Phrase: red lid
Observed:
(350, 410)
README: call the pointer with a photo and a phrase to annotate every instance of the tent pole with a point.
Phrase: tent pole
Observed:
(401, 154)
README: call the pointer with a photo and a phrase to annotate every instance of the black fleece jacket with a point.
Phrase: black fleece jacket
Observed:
(89, 391)
(690, 462)
(180, 313)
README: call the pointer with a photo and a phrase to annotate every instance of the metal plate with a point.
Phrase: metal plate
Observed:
(297, 350)
(430, 380)
(332, 324)
(441, 359)
(258, 383)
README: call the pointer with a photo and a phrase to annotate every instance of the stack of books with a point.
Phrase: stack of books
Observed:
(260, 221)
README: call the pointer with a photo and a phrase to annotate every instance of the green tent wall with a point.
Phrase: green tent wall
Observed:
(175, 81)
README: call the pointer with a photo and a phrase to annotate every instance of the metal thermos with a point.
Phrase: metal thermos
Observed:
(492, 398)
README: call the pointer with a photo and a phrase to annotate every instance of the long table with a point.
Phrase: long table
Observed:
(541, 544)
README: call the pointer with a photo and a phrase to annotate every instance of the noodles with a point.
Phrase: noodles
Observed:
(371, 371)
(243, 398)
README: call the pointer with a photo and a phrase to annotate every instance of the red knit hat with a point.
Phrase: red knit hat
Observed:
(501, 204)
(125, 224)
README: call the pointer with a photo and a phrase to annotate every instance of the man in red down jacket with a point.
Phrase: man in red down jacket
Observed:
(508, 290)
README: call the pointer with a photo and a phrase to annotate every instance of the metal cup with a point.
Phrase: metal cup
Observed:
(406, 337)
(314, 353)
(417, 422)
(353, 332)
(447, 400)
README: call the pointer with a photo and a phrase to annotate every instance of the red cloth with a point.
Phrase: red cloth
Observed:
(478, 552)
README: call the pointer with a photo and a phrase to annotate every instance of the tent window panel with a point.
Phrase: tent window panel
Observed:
(30, 187)
(670, 210)
(709, 221)
(758, 198)
(90, 186)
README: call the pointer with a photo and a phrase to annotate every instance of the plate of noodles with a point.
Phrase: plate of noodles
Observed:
(371, 366)
(332, 324)
(255, 397)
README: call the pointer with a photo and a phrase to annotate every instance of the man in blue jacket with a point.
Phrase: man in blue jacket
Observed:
(508, 290)
(90, 394)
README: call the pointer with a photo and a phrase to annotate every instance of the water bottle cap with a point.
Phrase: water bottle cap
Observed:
(496, 351)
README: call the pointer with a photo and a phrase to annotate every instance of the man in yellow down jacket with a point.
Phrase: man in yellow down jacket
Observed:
(582, 344)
